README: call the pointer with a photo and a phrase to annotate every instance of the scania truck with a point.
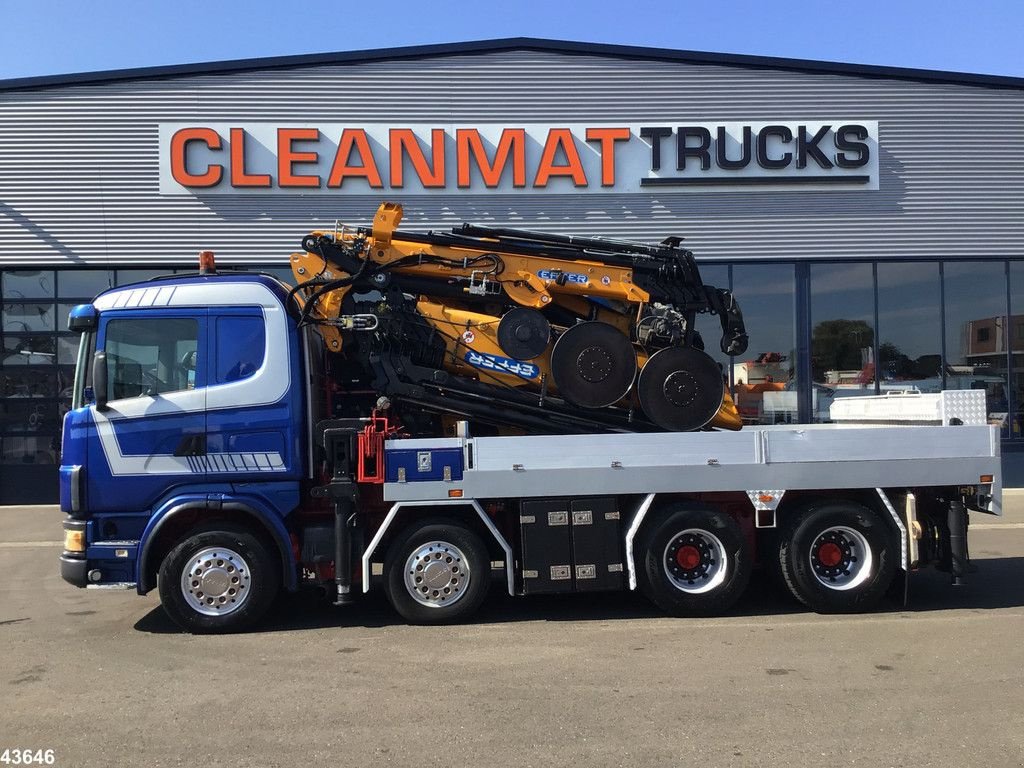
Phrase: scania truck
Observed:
(438, 415)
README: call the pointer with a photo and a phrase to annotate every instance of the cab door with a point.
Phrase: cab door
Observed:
(151, 437)
(251, 430)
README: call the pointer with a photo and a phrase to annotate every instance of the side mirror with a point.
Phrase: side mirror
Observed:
(84, 317)
(99, 379)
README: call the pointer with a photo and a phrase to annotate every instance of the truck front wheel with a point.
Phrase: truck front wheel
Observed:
(220, 579)
(695, 562)
(838, 557)
(437, 572)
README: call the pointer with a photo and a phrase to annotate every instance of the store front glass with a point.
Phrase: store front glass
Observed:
(909, 327)
(977, 333)
(1016, 421)
(764, 378)
(708, 326)
(842, 334)
(37, 358)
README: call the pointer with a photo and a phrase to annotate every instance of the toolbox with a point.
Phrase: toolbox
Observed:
(571, 545)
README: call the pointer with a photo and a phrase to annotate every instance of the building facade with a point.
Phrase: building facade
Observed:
(869, 220)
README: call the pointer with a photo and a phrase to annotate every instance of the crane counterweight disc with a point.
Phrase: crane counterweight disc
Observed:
(680, 388)
(593, 365)
(524, 333)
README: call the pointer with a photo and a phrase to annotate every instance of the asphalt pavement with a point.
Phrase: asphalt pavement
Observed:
(104, 679)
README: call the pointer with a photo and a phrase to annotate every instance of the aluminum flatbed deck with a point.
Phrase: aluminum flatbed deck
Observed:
(785, 457)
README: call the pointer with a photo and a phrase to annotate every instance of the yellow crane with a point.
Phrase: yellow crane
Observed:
(523, 329)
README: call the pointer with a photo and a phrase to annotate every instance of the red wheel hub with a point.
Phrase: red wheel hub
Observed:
(830, 554)
(688, 557)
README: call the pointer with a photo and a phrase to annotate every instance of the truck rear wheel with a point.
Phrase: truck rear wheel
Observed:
(838, 557)
(437, 572)
(221, 579)
(695, 562)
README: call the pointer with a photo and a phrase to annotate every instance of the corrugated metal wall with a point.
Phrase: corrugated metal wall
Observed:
(79, 175)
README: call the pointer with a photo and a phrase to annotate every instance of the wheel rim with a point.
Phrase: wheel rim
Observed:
(695, 561)
(840, 558)
(216, 581)
(437, 574)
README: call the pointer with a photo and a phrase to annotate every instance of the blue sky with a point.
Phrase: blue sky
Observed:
(56, 36)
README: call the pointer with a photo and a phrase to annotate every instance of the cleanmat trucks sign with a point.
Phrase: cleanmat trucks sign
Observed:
(238, 158)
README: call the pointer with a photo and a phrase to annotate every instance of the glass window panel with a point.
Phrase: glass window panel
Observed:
(150, 356)
(28, 350)
(67, 349)
(28, 416)
(976, 332)
(27, 284)
(65, 381)
(764, 376)
(19, 317)
(29, 450)
(125, 276)
(910, 326)
(83, 284)
(28, 382)
(240, 343)
(709, 326)
(1016, 425)
(842, 333)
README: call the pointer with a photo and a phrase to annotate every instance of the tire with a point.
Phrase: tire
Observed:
(457, 580)
(838, 557)
(695, 562)
(239, 572)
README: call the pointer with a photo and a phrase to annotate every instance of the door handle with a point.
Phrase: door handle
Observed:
(191, 445)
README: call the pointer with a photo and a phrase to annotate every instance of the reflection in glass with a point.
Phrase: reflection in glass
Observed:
(83, 284)
(27, 284)
(28, 350)
(126, 276)
(764, 386)
(26, 317)
(709, 326)
(28, 382)
(1016, 425)
(65, 381)
(28, 416)
(29, 450)
(976, 332)
(910, 326)
(842, 333)
(67, 349)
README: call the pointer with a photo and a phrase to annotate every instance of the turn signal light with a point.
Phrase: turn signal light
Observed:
(455, 493)
(985, 479)
(764, 498)
(74, 541)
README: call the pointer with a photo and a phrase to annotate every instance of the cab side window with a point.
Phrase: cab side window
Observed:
(151, 356)
(239, 343)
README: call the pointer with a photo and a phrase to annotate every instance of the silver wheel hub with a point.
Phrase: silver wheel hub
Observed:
(215, 581)
(841, 558)
(695, 561)
(437, 574)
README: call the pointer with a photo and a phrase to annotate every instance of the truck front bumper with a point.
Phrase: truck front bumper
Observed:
(74, 570)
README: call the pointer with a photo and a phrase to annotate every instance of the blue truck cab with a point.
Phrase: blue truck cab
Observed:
(188, 405)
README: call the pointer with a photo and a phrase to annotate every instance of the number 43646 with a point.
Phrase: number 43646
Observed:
(27, 757)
